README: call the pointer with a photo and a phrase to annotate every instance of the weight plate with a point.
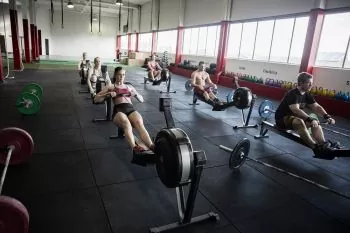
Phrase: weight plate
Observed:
(239, 154)
(21, 140)
(229, 97)
(34, 88)
(266, 109)
(188, 85)
(175, 157)
(28, 103)
(14, 217)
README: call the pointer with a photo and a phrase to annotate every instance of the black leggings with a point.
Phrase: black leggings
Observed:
(125, 108)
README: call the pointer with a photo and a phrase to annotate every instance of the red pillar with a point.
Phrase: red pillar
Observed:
(15, 42)
(129, 43)
(118, 46)
(154, 42)
(137, 43)
(179, 44)
(32, 36)
(26, 40)
(222, 50)
(40, 45)
(36, 42)
(312, 40)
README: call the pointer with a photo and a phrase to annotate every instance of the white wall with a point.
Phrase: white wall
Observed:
(146, 17)
(75, 37)
(332, 78)
(248, 9)
(199, 12)
(263, 70)
(169, 14)
(8, 26)
(43, 20)
(337, 3)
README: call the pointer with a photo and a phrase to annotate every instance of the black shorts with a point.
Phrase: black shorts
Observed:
(125, 108)
(286, 122)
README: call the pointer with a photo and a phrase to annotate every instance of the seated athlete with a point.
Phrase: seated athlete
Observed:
(96, 74)
(83, 65)
(154, 69)
(126, 117)
(202, 85)
(290, 115)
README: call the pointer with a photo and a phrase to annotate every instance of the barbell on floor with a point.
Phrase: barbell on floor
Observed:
(240, 153)
(16, 146)
(29, 100)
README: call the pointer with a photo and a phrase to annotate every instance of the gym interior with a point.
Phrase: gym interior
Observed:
(231, 170)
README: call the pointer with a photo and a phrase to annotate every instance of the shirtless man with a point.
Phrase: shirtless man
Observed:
(202, 85)
(154, 69)
(95, 73)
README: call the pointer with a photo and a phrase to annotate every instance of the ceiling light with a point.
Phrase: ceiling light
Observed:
(118, 2)
(94, 18)
(70, 4)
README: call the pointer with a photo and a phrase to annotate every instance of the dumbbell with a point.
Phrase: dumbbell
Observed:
(29, 100)
(16, 146)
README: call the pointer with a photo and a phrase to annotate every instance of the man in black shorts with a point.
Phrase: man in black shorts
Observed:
(290, 115)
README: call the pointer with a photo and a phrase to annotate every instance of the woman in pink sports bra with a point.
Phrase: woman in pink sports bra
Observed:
(125, 116)
(154, 69)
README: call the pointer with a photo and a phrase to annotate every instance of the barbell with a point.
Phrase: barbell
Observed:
(16, 146)
(29, 100)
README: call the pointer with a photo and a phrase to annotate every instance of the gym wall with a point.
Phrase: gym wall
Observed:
(43, 20)
(169, 14)
(76, 36)
(146, 17)
(8, 26)
(199, 12)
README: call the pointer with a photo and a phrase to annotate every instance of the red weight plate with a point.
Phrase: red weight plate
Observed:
(21, 140)
(14, 217)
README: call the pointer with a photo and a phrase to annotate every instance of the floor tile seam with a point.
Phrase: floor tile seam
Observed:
(300, 196)
(127, 181)
(93, 174)
(219, 210)
(309, 163)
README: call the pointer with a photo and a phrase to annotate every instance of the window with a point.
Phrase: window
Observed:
(299, 34)
(281, 40)
(145, 42)
(334, 39)
(186, 41)
(263, 40)
(194, 41)
(133, 42)
(124, 42)
(202, 41)
(166, 41)
(234, 40)
(248, 39)
(347, 60)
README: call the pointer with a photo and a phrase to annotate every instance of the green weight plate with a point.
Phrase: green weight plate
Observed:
(28, 103)
(33, 88)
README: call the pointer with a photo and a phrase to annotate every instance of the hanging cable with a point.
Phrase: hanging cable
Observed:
(127, 20)
(99, 18)
(62, 26)
(152, 15)
(91, 15)
(52, 12)
(120, 15)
